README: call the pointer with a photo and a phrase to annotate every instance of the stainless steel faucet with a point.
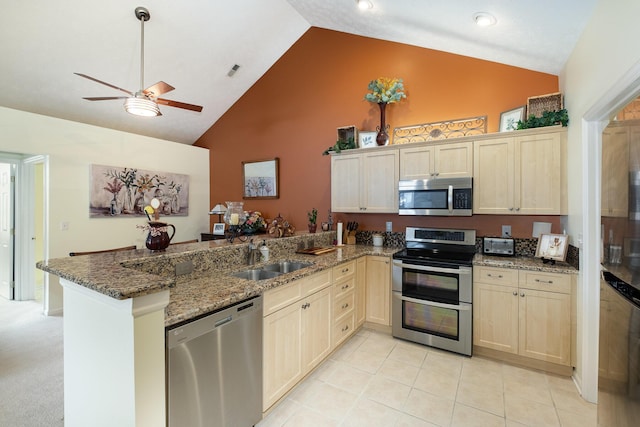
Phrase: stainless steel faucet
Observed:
(253, 255)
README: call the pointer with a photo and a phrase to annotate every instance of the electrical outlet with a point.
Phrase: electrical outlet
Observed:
(64, 226)
(506, 231)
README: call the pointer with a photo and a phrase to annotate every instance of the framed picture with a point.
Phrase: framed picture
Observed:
(509, 119)
(260, 179)
(552, 246)
(218, 228)
(367, 139)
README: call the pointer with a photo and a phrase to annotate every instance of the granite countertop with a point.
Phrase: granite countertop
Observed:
(523, 263)
(221, 289)
(118, 275)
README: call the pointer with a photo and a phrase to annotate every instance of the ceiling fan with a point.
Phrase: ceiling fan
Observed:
(144, 102)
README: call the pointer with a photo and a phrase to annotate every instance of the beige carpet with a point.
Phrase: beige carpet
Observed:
(31, 366)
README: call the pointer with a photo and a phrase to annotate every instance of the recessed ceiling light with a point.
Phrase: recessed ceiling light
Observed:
(484, 19)
(364, 4)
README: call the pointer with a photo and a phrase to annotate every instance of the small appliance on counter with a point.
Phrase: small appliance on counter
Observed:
(498, 246)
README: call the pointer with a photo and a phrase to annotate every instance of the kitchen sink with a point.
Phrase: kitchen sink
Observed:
(287, 266)
(256, 274)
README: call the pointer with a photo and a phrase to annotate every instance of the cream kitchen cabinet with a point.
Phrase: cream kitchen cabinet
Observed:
(527, 313)
(365, 182)
(437, 161)
(296, 333)
(615, 171)
(378, 292)
(344, 301)
(520, 175)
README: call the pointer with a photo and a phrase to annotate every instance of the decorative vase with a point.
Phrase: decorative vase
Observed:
(158, 239)
(383, 130)
(312, 228)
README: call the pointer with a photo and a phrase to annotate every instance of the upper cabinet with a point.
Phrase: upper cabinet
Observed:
(365, 182)
(514, 173)
(615, 171)
(436, 161)
(521, 175)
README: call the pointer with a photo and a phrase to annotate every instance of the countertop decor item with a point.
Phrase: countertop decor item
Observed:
(235, 216)
(158, 238)
(253, 223)
(384, 91)
(313, 218)
(280, 227)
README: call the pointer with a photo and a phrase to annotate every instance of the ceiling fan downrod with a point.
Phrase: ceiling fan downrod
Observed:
(142, 13)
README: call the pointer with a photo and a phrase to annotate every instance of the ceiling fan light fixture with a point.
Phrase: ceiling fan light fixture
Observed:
(364, 4)
(140, 106)
(484, 19)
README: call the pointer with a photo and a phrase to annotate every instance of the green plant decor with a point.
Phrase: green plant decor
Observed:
(549, 118)
(313, 216)
(340, 145)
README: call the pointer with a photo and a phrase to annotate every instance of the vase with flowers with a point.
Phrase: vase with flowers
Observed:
(383, 91)
(254, 223)
(313, 218)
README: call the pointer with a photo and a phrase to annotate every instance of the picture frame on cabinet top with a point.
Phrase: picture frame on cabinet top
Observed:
(367, 139)
(218, 229)
(509, 119)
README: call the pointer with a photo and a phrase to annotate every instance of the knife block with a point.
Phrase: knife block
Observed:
(350, 238)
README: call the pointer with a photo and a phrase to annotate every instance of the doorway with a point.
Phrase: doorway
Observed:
(23, 207)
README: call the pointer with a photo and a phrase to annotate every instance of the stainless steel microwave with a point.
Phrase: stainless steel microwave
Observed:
(436, 197)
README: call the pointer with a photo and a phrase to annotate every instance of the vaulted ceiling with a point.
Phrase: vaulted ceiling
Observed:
(192, 45)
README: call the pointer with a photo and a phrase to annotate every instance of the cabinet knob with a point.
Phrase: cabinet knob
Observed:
(345, 306)
(345, 287)
(517, 209)
(346, 328)
(515, 293)
(522, 294)
(510, 209)
(550, 282)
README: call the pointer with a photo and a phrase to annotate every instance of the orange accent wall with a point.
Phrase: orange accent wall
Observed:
(319, 84)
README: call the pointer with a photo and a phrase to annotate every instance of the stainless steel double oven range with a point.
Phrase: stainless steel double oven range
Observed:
(432, 288)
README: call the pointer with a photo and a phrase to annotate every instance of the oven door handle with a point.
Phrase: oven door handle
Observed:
(461, 271)
(450, 198)
(465, 307)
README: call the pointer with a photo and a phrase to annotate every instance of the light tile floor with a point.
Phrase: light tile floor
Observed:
(377, 380)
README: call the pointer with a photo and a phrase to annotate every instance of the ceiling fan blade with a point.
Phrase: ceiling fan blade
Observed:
(158, 89)
(104, 98)
(178, 104)
(105, 83)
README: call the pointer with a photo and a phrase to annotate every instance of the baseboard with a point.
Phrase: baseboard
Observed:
(526, 362)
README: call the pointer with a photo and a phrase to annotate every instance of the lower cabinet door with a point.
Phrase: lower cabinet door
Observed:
(545, 326)
(316, 329)
(282, 363)
(495, 317)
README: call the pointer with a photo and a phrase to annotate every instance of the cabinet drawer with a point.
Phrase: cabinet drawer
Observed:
(344, 286)
(343, 305)
(495, 276)
(542, 281)
(316, 282)
(280, 297)
(344, 270)
(343, 329)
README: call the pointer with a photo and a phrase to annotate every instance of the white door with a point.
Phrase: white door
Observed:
(6, 230)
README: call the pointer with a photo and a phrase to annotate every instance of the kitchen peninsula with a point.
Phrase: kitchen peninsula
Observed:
(117, 306)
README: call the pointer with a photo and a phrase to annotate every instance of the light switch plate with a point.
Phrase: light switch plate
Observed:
(506, 231)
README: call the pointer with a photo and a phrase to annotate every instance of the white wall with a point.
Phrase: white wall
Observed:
(71, 148)
(603, 58)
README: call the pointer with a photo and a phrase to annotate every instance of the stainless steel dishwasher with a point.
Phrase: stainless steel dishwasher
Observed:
(214, 368)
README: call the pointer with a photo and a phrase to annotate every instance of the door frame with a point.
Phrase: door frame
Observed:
(593, 123)
(14, 166)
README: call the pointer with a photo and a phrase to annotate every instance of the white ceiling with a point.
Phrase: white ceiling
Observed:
(193, 44)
